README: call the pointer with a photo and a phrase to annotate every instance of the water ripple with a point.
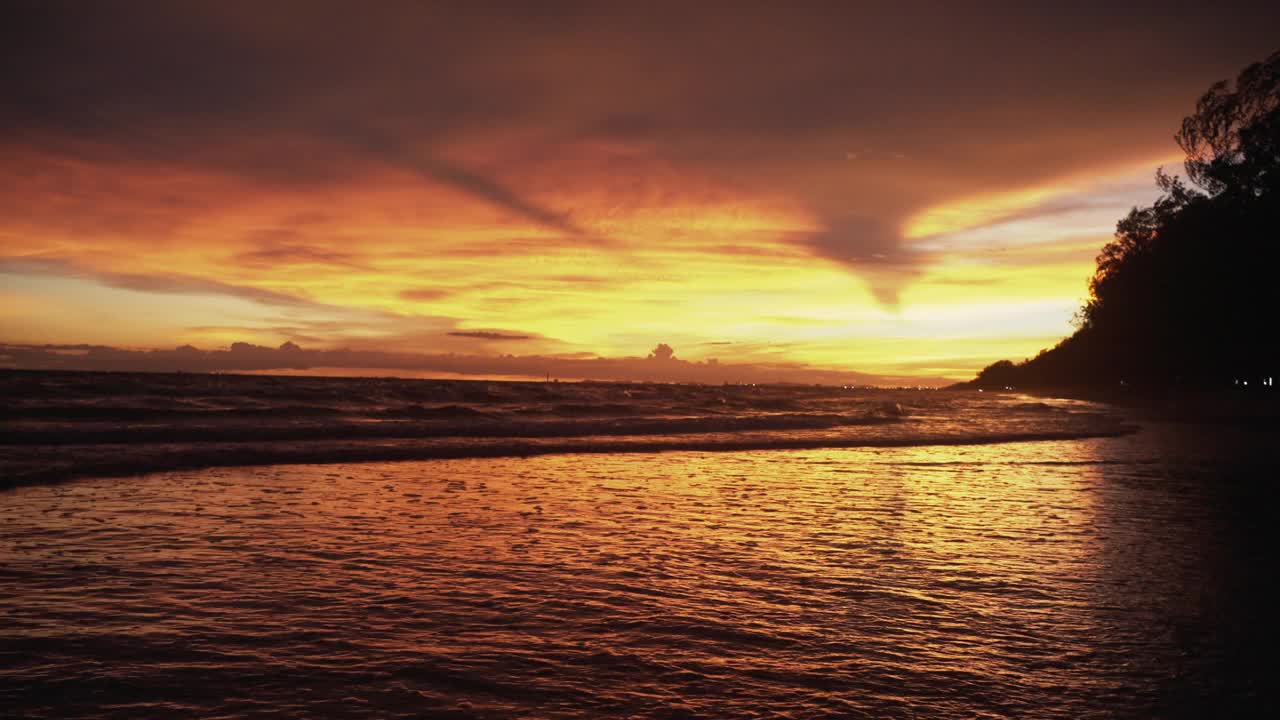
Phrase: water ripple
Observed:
(1074, 579)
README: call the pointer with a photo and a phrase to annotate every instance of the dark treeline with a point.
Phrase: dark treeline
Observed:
(1187, 292)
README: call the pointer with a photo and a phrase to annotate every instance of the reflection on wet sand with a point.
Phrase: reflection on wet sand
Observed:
(1085, 578)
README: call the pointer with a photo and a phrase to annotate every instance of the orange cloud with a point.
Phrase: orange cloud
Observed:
(850, 190)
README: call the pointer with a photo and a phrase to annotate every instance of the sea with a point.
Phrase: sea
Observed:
(234, 546)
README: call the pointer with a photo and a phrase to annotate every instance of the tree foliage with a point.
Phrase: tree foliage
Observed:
(1186, 291)
(1232, 141)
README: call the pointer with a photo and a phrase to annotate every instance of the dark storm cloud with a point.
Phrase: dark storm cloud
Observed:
(867, 243)
(420, 71)
(860, 113)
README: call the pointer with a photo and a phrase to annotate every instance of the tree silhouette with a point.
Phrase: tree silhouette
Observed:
(1232, 141)
(1186, 291)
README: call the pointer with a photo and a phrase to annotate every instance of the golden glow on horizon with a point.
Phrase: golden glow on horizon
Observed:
(392, 262)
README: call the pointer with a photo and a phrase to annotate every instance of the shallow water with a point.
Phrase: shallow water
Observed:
(58, 425)
(1108, 577)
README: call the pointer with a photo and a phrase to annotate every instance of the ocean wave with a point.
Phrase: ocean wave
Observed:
(437, 412)
(175, 411)
(46, 463)
(455, 422)
(59, 425)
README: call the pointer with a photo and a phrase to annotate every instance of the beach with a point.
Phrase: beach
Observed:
(1114, 576)
(578, 361)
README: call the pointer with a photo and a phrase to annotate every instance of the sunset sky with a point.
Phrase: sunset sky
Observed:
(899, 190)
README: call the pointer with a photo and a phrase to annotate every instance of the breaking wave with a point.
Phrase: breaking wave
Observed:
(61, 425)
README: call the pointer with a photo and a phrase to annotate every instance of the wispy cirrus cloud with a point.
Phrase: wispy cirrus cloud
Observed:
(168, 283)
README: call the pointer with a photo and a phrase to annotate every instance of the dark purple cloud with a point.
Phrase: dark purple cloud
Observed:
(858, 113)
(247, 357)
(488, 335)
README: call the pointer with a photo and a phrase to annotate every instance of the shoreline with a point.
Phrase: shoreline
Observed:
(250, 455)
(1210, 407)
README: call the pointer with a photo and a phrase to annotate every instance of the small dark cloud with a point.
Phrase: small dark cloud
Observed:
(872, 247)
(487, 335)
(273, 252)
(663, 353)
(425, 294)
(583, 280)
(293, 333)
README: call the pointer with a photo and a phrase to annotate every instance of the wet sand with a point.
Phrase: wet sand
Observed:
(1099, 578)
